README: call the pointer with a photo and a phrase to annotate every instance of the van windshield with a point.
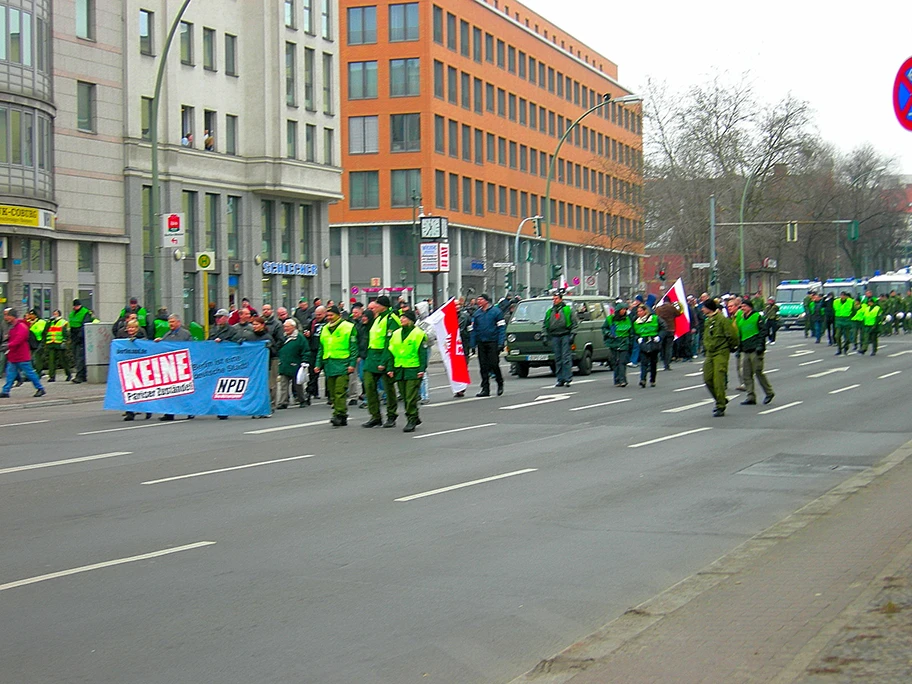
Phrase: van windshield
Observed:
(531, 311)
(790, 295)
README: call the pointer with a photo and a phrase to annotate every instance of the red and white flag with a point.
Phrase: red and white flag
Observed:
(446, 324)
(677, 296)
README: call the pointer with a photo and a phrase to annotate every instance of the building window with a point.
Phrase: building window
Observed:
(309, 80)
(230, 54)
(146, 26)
(478, 86)
(188, 204)
(362, 135)
(210, 123)
(454, 192)
(476, 44)
(440, 189)
(210, 221)
(20, 36)
(451, 31)
(454, 138)
(310, 143)
(209, 49)
(404, 182)
(438, 79)
(186, 43)
(85, 106)
(403, 22)
(405, 77)
(479, 146)
(326, 19)
(328, 84)
(291, 139)
(511, 59)
(364, 190)
(233, 214)
(308, 22)
(85, 19)
(329, 146)
(145, 118)
(85, 256)
(148, 221)
(452, 85)
(466, 142)
(479, 198)
(231, 132)
(501, 102)
(466, 195)
(362, 80)
(439, 134)
(362, 25)
(291, 86)
(500, 53)
(522, 64)
(464, 38)
(405, 132)
(438, 25)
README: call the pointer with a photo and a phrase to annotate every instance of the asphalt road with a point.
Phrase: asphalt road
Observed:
(284, 550)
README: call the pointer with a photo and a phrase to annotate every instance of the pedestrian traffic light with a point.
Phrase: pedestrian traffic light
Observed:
(853, 230)
(662, 274)
(508, 281)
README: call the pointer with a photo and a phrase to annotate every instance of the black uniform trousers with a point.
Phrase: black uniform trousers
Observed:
(489, 363)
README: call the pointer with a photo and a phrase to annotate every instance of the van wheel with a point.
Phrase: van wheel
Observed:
(585, 364)
(522, 370)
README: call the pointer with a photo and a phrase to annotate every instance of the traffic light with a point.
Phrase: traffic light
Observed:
(556, 271)
(508, 281)
(791, 231)
(853, 230)
(662, 274)
(536, 226)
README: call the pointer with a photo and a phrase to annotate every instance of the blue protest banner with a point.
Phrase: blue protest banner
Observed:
(195, 378)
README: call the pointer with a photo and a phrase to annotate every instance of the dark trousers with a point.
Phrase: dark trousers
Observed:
(372, 383)
(79, 355)
(488, 363)
(620, 357)
(409, 390)
(57, 355)
(771, 328)
(667, 347)
(649, 362)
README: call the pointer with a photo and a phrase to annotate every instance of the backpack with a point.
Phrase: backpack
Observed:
(33, 342)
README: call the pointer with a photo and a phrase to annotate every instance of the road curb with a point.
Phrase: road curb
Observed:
(51, 402)
(601, 644)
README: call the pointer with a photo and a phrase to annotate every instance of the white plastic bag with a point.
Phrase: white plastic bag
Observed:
(301, 375)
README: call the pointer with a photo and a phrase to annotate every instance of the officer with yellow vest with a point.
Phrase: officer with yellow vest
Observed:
(37, 327)
(752, 334)
(843, 309)
(338, 354)
(872, 315)
(407, 357)
(385, 323)
(79, 316)
(58, 332)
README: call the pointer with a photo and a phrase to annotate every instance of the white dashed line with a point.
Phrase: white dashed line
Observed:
(844, 389)
(447, 432)
(665, 439)
(465, 484)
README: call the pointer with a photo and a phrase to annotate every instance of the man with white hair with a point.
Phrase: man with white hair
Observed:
(292, 355)
(176, 333)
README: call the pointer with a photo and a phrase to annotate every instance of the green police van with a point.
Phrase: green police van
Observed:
(526, 347)
(790, 296)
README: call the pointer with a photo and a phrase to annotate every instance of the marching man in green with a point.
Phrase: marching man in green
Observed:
(338, 353)
(407, 356)
(720, 337)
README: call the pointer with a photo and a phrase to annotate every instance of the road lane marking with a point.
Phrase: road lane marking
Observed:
(692, 387)
(841, 369)
(28, 422)
(540, 401)
(844, 389)
(689, 406)
(665, 439)
(106, 564)
(907, 351)
(455, 401)
(780, 408)
(795, 346)
(772, 370)
(604, 403)
(281, 428)
(574, 382)
(137, 427)
(693, 375)
(462, 429)
(465, 484)
(50, 464)
(888, 375)
(803, 352)
(225, 470)
(808, 363)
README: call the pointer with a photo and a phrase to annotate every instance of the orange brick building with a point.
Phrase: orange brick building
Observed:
(454, 108)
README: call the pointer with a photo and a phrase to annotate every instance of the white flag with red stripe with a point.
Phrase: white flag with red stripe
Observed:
(446, 324)
(677, 297)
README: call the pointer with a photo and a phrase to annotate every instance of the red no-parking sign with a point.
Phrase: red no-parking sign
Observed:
(902, 95)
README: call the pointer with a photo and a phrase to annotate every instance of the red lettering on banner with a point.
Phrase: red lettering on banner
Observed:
(159, 370)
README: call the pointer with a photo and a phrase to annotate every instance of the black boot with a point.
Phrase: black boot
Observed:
(390, 422)
(410, 426)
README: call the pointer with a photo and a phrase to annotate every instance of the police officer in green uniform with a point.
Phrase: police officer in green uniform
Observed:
(871, 317)
(407, 357)
(617, 331)
(374, 365)
(79, 316)
(37, 327)
(752, 333)
(133, 306)
(720, 337)
(55, 342)
(338, 354)
(843, 309)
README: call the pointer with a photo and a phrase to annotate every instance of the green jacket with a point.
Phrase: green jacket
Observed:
(408, 373)
(564, 323)
(720, 336)
(334, 367)
(375, 357)
(618, 333)
(292, 354)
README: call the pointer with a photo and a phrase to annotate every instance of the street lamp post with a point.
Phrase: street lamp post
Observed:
(157, 247)
(516, 246)
(750, 179)
(547, 212)
(416, 202)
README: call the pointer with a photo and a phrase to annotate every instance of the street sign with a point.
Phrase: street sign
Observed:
(591, 282)
(355, 290)
(444, 257)
(502, 264)
(576, 280)
(205, 261)
(429, 257)
(902, 95)
(172, 226)
(375, 282)
(702, 264)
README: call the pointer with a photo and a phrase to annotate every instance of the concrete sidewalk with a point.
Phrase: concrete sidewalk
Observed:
(823, 596)
(58, 394)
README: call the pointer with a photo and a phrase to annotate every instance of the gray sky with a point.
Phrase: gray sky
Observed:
(841, 58)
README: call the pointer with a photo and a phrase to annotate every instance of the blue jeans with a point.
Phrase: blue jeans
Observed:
(13, 370)
(563, 357)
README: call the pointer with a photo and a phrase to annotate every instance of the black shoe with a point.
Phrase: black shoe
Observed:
(643, 384)
(18, 383)
(353, 402)
(483, 393)
(410, 426)
(373, 422)
(167, 416)
(343, 420)
(839, 353)
(390, 423)
(223, 417)
(873, 353)
(559, 384)
(623, 384)
(335, 421)
(500, 390)
(459, 395)
(76, 381)
(280, 408)
(148, 415)
(39, 393)
(69, 378)
(4, 395)
(652, 384)
(750, 402)
(718, 413)
(128, 417)
(51, 379)
(767, 399)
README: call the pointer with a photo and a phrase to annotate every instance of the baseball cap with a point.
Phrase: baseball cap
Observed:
(222, 312)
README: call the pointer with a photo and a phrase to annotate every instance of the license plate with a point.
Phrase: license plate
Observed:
(536, 357)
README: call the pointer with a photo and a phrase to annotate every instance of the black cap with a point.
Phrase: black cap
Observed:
(484, 296)
(334, 309)
(76, 302)
(383, 300)
(710, 305)
(747, 302)
(409, 314)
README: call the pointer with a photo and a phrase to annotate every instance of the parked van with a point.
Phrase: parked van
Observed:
(527, 349)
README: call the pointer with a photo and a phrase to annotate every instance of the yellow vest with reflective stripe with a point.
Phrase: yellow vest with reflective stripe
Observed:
(55, 333)
(335, 342)
(377, 336)
(38, 328)
(405, 352)
(843, 309)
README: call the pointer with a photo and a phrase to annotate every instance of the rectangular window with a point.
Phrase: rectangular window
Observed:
(85, 107)
(532, 67)
(439, 134)
(492, 154)
(85, 19)
(405, 132)
(454, 192)
(489, 48)
(148, 221)
(489, 97)
(533, 161)
(362, 80)
(560, 84)
(514, 209)
(188, 204)
(362, 25)
(209, 49)
(364, 190)
(309, 103)
(328, 92)
(306, 231)
(289, 14)
(438, 79)
(479, 198)
(440, 189)
(502, 151)
(231, 134)
(405, 77)
(308, 16)
(476, 44)
(145, 118)
(464, 38)
(522, 64)
(404, 183)
(522, 112)
(326, 19)
(511, 59)
(403, 22)
(501, 199)
(329, 146)
(291, 139)
(231, 54)
(310, 143)
(452, 85)
(512, 155)
(465, 85)
(363, 135)
(267, 210)
(210, 220)
(146, 25)
(541, 75)
(286, 231)
(233, 210)
(186, 43)
(466, 195)
(511, 108)
(478, 86)
(451, 31)
(492, 198)
(479, 146)
(454, 138)
(438, 25)
(466, 142)
(500, 53)
(523, 158)
(210, 123)
(501, 102)
(291, 71)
